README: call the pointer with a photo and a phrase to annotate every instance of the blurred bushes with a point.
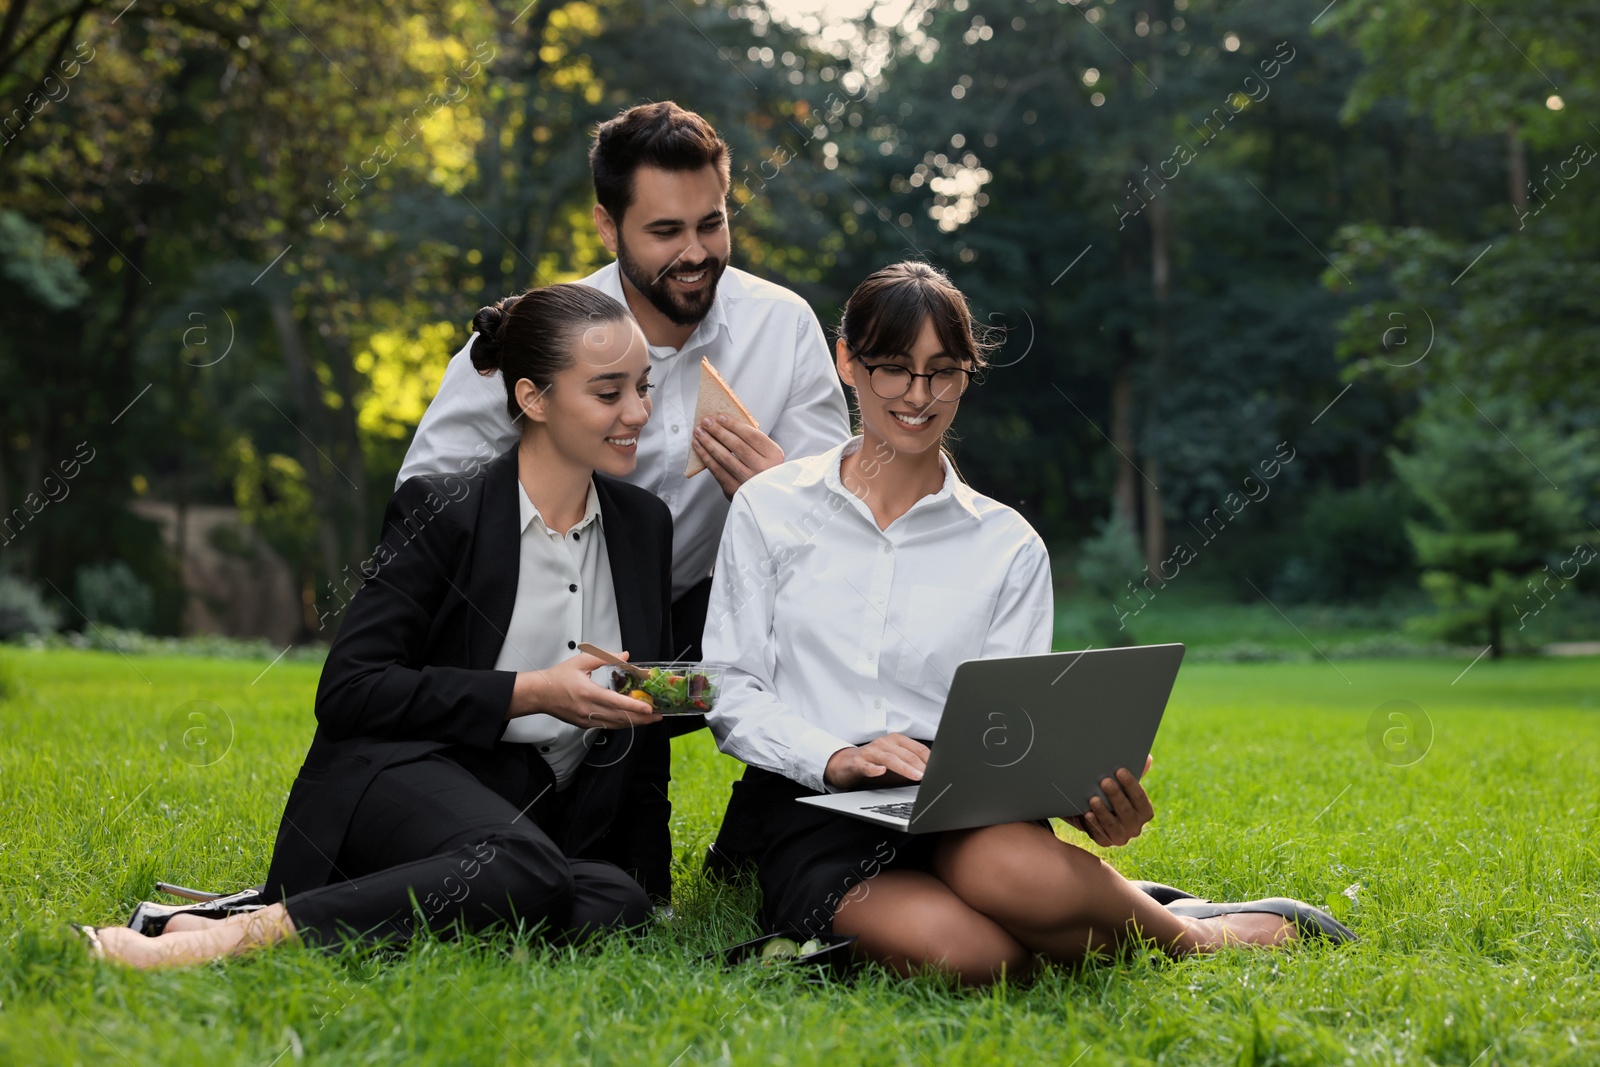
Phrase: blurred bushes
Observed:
(1351, 545)
(23, 610)
(111, 593)
(1107, 562)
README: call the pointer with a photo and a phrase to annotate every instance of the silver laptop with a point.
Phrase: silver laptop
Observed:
(1028, 737)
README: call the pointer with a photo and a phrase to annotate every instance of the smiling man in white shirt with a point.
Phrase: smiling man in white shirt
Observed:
(661, 177)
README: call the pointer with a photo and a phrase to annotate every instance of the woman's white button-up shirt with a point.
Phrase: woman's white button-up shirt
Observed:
(836, 632)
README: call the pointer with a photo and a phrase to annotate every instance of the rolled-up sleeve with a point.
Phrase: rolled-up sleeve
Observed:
(1024, 616)
(465, 425)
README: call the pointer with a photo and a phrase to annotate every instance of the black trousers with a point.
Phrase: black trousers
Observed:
(468, 852)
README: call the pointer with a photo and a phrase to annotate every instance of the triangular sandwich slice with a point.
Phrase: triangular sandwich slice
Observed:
(715, 399)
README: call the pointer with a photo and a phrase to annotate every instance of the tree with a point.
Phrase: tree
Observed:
(1504, 503)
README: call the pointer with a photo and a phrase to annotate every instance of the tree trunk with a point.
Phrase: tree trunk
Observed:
(32, 482)
(1517, 169)
(1125, 493)
(1395, 146)
(1155, 520)
(514, 195)
(492, 193)
(352, 460)
(307, 405)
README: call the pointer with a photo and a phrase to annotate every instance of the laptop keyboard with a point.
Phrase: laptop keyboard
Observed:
(901, 810)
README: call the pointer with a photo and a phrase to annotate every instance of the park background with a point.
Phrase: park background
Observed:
(1300, 311)
(240, 244)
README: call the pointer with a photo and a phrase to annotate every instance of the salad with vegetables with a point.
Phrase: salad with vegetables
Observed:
(786, 948)
(672, 688)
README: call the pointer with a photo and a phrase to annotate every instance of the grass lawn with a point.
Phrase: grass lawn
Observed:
(1479, 898)
(1209, 616)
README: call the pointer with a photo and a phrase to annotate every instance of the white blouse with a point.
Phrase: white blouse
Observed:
(836, 632)
(564, 596)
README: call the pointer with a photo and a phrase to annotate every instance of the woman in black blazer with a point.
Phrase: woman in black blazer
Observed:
(409, 787)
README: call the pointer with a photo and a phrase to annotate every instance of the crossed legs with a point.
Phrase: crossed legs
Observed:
(1000, 895)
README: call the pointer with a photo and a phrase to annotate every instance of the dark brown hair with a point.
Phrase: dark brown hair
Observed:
(660, 135)
(885, 314)
(532, 335)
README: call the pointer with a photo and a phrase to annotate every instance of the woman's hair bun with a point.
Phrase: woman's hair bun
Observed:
(489, 322)
(534, 335)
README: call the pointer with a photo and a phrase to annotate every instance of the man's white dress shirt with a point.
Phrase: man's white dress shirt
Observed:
(564, 596)
(762, 338)
(837, 632)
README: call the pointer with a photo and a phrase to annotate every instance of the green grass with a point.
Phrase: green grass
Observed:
(1206, 616)
(1478, 906)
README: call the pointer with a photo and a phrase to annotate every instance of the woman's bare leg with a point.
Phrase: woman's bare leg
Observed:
(1056, 898)
(185, 923)
(910, 921)
(185, 948)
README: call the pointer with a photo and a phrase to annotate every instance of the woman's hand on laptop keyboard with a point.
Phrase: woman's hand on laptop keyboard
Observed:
(893, 759)
(1129, 810)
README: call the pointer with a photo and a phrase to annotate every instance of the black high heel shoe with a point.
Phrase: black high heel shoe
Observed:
(1165, 894)
(150, 918)
(1309, 921)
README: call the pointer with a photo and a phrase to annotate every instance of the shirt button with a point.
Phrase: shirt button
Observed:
(544, 748)
(877, 600)
(878, 703)
(887, 549)
(574, 536)
(674, 428)
(871, 656)
(572, 589)
(572, 644)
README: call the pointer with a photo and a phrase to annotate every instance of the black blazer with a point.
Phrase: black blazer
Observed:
(412, 671)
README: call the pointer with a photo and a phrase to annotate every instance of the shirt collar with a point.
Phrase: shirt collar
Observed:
(608, 280)
(825, 468)
(530, 514)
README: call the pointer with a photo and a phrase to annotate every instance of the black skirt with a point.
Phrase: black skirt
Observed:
(809, 858)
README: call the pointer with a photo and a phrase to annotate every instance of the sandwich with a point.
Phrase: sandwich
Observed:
(715, 399)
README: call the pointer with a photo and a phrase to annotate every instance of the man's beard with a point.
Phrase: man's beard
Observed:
(681, 309)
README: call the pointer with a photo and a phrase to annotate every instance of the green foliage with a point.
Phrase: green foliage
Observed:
(1500, 502)
(1351, 545)
(111, 593)
(1498, 294)
(23, 610)
(284, 219)
(272, 495)
(27, 260)
(200, 646)
(1107, 562)
(1476, 69)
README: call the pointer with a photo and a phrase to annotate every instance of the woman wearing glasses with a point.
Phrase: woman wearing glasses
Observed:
(848, 587)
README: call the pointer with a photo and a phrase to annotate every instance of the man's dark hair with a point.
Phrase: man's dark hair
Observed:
(660, 135)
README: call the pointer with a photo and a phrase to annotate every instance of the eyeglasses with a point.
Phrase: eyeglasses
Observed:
(891, 381)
